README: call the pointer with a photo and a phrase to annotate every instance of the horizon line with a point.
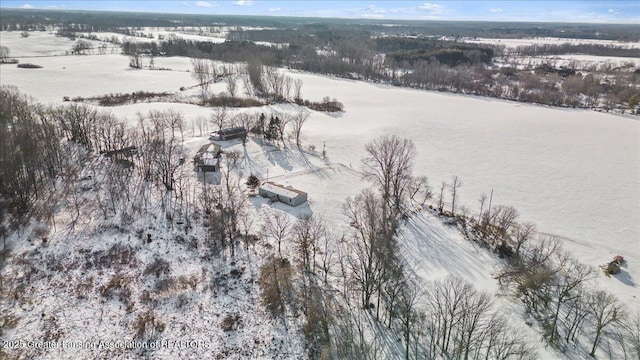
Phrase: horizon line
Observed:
(377, 20)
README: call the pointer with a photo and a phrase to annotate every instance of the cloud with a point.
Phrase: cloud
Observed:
(243, 3)
(274, 9)
(495, 11)
(430, 7)
(26, 6)
(372, 10)
(611, 11)
(372, 16)
(205, 4)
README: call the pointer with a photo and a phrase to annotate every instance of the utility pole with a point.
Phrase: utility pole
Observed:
(489, 210)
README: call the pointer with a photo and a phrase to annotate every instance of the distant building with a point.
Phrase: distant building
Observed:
(126, 151)
(284, 194)
(229, 134)
(207, 159)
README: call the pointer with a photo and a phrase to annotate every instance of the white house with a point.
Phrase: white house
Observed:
(284, 194)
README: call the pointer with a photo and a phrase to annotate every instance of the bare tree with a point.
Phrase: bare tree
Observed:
(365, 213)
(274, 82)
(567, 283)
(203, 72)
(409, 296)
(4, 54)
(446, 299)
(500, 227)
(521, 236)
(631, 328)
(220, 117)
(135, 57)
(306, 236)
(232, 201)
(297, 121)
(255, 76)
(505, 342)
(286, 88)
(161, 145)
(577, 312)
(246, 222)
(443, 186)
(605, 310)
(297, 90)
(244, 120)
(82, 46)
(276, 283)
(482, 200)
(201, 124)
(389, 165)
(248, 86)
(328, 253)
(281, 125)
(461, 325)
(533, 273)
(419, 190)
(276, 226)
(455, 184)
(232, 86)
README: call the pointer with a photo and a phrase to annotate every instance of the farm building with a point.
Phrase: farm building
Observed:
(229, 133)
(126, 151)
(284, 194)
(207, 159)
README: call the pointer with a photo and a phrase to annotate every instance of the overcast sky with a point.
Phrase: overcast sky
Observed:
(614, 11)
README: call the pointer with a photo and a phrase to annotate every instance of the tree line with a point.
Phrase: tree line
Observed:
(555, 288)
(569, 48)
(431, 64)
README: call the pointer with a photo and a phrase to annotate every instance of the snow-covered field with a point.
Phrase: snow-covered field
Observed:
(578, 62)
(39, 43)
(575, 173)
(91, 75)
(511, 43)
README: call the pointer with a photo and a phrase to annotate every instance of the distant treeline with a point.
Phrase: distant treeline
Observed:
(440, 65)
(230, 51)
(582, 49)
(15, 19)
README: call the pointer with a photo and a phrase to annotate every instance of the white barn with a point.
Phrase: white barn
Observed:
(285, 194)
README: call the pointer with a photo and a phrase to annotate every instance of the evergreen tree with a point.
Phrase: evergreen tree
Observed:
(273, 131)
(259, 129)
(253, 182)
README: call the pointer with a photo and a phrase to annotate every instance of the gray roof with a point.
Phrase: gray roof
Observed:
(281, 190)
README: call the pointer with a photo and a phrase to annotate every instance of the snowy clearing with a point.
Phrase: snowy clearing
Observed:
(511, 43)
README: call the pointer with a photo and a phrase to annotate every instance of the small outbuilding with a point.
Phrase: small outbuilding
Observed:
(207, 159)
(229, 134)
(285, 194)
(614, 266)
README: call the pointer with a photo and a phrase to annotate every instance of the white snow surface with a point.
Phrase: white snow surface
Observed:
(39, 43)
(511, 43)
